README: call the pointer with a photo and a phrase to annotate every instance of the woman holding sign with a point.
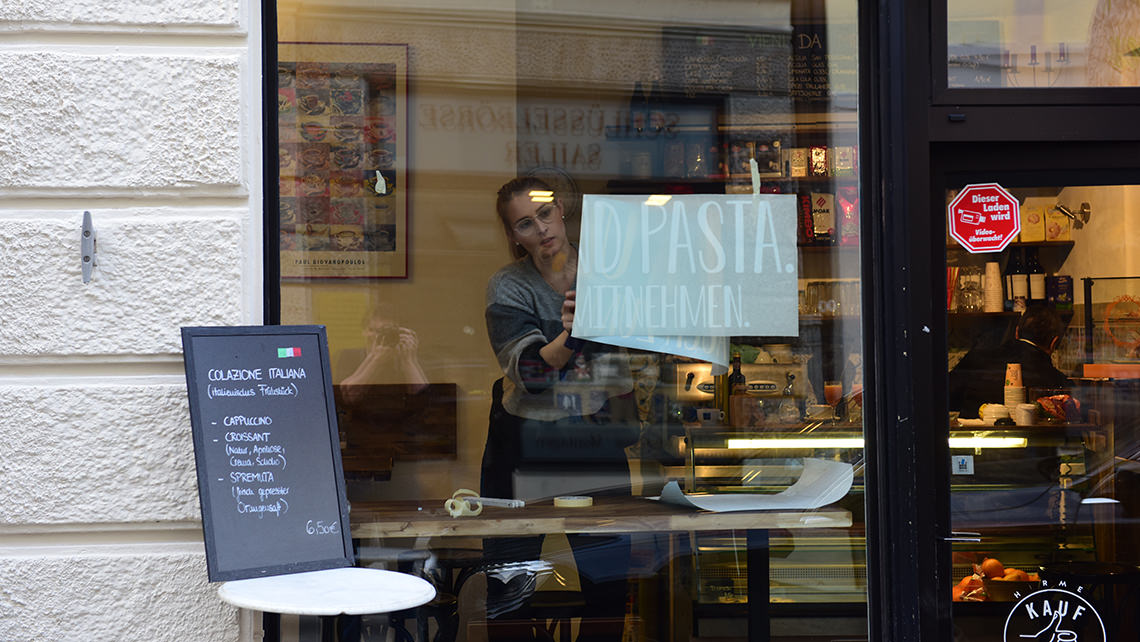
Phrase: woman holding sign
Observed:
(562, 414)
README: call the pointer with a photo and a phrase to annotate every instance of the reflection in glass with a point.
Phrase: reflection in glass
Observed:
(1040, 45)
(450, 383)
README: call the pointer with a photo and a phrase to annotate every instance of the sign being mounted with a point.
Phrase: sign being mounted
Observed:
(695, 265)
(270, 481)
(984, 218)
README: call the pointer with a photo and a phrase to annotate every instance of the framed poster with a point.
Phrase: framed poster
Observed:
(343, 153)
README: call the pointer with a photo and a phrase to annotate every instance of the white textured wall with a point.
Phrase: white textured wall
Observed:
(112, 595)
(147, 114)
(95, 453)
(131, 120)
(24, 15)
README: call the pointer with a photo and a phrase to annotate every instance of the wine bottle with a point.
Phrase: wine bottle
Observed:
(737, 384)
(738, 411)
(1011, 268)
(1019, 282)
(1036, 276)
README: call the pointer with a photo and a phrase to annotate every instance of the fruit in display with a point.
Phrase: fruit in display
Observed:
(971, 588)
(992, 568)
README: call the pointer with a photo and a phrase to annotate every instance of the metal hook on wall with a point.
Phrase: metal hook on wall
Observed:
(87, 247)
(1079, 218)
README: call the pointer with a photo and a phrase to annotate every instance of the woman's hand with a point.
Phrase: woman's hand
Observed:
(556, 354)
(568, 311)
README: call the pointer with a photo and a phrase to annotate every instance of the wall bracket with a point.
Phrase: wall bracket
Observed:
(87, 247)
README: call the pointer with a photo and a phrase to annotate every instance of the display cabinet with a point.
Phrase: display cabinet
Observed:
(1019, 488)
(806, 566)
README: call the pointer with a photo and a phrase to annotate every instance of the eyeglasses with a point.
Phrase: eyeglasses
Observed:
(527, 227)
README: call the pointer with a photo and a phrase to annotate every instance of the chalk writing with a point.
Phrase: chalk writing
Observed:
(266, 450)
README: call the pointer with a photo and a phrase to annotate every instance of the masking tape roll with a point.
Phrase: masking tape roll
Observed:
(462, 507)
(573, 501)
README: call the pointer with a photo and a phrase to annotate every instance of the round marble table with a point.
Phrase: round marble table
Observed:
(337, 591)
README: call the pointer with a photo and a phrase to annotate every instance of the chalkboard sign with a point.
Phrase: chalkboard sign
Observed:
(270, 480)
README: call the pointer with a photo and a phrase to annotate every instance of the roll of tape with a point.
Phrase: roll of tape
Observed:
(573, 501)
(462, 507)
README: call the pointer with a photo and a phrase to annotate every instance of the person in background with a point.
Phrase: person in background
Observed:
(979, 377)
(556, 394)
(391, 355)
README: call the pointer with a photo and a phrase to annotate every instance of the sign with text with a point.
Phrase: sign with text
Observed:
(984, 218)
(270, 481)
(711, 349)
(697, 265)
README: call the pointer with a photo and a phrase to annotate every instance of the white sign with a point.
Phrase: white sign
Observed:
(1054, 614)
(687, 266)
(711, 349)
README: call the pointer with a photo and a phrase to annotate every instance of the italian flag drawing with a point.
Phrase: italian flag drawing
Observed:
(288, 352)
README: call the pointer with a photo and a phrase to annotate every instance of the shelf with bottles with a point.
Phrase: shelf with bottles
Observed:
(1062, 245)
(830, 122)
(1004, 314)
(699, 159)
(1007, 315)
(1019, 276)
(667, 182)
(722, 184)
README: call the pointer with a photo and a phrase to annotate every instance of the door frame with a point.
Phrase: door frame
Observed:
(915, 131)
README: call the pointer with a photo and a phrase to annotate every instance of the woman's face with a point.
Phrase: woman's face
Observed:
(537, 227)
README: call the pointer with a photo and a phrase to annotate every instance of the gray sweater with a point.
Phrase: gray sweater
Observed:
(523, 314)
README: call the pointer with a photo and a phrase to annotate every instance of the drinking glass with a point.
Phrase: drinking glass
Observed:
(833, 394)
(970, 294)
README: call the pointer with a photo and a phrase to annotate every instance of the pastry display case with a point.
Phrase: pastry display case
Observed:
(1018, 488)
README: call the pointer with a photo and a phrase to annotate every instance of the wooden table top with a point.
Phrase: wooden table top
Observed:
(607, 515)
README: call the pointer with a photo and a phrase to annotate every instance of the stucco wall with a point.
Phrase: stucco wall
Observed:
(146, 114)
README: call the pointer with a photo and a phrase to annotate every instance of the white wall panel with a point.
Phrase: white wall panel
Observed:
(80, 122)
(96, 454)
(222, 13)
(157, 271)
(154, 597)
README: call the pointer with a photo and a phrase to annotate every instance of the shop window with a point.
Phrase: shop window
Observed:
(730, 131)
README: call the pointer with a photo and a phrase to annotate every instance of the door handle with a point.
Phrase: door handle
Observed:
(963, 536)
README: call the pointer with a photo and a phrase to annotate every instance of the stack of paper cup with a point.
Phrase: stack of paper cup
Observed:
(1014, 397)
(993, 301)
(1013, 375)
(1014, 390)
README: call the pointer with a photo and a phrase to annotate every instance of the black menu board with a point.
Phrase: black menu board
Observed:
(270, 480)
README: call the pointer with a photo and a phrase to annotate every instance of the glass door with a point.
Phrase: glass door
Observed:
(1042, 339)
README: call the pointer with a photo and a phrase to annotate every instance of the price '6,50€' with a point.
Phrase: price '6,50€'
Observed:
(319, 527)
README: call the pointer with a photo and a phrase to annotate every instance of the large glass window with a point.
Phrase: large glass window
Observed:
(1042, 44)
(449, 171)
(1045, 356)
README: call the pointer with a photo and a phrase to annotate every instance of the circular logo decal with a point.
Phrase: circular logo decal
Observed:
(1053, 615)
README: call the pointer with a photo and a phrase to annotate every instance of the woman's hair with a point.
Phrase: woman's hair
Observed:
(514, 187)
(1040, 324)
